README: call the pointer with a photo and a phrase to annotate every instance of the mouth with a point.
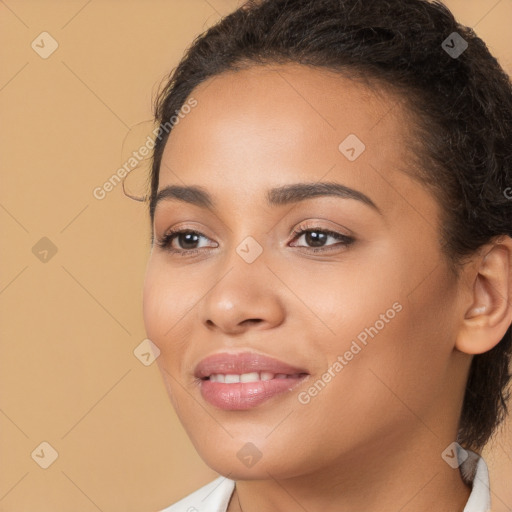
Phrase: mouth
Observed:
(237, 381)
(233, 378)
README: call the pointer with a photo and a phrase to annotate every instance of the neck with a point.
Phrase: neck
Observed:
(411, 478)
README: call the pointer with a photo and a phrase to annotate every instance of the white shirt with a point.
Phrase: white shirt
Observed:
(215, 496)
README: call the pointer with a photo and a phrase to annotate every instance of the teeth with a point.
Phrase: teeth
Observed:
(250, 377)
(247, 377)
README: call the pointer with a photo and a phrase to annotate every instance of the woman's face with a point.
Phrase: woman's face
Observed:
(371, 319)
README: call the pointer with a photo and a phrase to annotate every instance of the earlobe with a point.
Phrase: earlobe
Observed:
(489, 314)
(481, 297)
(477, 310)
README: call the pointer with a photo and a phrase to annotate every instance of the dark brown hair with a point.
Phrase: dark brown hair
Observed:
(461, 106)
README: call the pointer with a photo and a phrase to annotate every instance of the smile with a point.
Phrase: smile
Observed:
(238, 381)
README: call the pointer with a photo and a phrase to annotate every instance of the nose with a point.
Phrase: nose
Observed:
(245, 297)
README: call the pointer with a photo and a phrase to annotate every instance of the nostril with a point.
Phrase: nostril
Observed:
(253, 320)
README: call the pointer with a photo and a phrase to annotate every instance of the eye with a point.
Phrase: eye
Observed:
(186, 238)
(316, 238)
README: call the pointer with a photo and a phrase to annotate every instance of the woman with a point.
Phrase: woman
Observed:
(330, 278)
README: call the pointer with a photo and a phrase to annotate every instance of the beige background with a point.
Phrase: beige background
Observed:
(70, 324)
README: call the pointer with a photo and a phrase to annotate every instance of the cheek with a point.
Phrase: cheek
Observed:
(152, 290)
(160, 307)
(408, 360)
(395, 336)
(163, 314)
(170, 298)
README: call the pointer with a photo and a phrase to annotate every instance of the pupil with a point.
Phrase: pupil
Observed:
(189, 238)
(315, 239)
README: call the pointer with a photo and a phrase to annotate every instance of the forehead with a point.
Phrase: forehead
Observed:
(267, 126)
(285, 107)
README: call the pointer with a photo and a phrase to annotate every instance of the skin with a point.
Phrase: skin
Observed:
(372, 438)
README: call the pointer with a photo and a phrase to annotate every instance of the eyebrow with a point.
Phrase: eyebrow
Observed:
(279, 196)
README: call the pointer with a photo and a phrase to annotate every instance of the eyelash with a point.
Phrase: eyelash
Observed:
(166, 240)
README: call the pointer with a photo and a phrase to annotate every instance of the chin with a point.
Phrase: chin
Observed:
(238, 465)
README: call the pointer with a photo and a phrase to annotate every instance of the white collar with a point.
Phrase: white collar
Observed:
(473, 470)
(215, 496)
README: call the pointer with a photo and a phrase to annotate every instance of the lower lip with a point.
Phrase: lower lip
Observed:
(246, 395)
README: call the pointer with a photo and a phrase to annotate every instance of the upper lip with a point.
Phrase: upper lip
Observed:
(242, 362)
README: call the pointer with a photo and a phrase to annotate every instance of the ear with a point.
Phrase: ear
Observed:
(488, 309)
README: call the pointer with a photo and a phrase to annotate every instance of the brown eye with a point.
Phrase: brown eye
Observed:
(187, 241)
(317, 238)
